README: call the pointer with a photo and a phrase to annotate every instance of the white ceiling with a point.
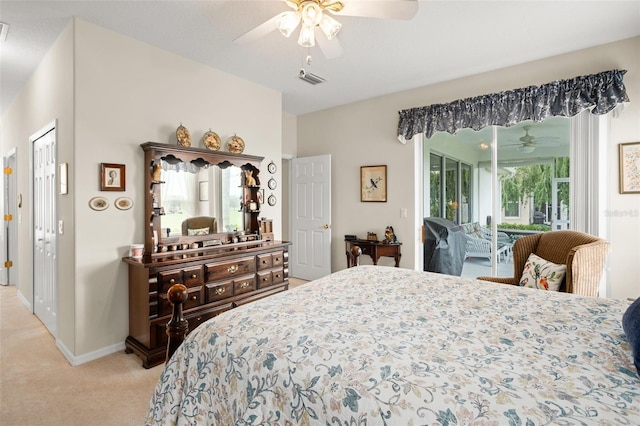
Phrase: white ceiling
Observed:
(446, 40)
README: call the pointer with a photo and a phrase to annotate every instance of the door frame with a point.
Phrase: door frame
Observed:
(10, 244)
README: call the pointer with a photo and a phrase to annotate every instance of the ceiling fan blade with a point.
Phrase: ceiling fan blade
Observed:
(384, 9)
(330, 48)
(259, 31)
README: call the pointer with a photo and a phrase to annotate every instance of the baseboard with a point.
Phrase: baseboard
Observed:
(24, 300)
(91, 356)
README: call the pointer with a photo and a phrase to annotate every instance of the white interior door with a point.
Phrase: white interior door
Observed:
(310, 254)
(45, 289)
(10, 242)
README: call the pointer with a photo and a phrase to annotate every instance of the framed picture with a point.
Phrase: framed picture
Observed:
(260, 196)
(630, 168)
(112, 177)
(373, 184)
(203, 190)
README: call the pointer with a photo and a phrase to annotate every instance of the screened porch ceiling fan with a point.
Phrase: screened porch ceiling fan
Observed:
(528, 143)
(313, 16)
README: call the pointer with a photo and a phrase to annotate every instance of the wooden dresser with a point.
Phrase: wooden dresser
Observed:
(217, 279)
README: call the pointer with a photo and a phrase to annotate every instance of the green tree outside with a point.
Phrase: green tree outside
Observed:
(537, 181)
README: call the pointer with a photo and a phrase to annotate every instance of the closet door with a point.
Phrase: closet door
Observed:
(45, 291)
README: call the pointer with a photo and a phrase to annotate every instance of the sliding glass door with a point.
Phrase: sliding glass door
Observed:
(529, 158)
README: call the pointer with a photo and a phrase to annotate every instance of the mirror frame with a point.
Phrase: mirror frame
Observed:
(155, 152)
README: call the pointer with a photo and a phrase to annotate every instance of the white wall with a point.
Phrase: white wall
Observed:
(123, 93)
(364, 133)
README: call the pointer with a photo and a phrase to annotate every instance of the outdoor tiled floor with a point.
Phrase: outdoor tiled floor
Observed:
(475, 267)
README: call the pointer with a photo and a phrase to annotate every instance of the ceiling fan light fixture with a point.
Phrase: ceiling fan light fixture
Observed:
(330, 27)
(311, 14)
(287, 22)
(526, 149)
(307, 37)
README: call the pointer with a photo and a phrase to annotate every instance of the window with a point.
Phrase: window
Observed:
(512, 208)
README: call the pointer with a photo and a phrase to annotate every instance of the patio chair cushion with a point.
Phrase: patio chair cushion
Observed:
(473, 229)
(631, 327)
(542, 274)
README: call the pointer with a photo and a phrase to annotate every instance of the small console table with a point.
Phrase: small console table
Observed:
(375, 249)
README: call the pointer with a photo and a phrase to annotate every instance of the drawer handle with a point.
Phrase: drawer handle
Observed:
(277, 259)
(265, 279)
(220, 290)
(264, 262)
(245, 284)
(194, 298)
(199, 319)
(277, 275)
(194, 276)
(232, 269)
(172, 281)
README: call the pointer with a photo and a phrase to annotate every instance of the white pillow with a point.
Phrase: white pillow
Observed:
(542, 274)
(198, 231)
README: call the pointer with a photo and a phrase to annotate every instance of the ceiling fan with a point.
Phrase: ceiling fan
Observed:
(529, 143)
(314, 18)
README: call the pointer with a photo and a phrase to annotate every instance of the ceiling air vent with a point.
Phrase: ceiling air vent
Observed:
(310, 77)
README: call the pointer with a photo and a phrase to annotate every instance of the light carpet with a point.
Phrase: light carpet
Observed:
(38, 386)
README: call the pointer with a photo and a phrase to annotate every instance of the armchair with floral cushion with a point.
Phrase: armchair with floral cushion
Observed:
(582, 255)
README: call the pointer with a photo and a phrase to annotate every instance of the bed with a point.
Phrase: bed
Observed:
(379, 345)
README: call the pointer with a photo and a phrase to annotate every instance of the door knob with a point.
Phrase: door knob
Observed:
(326, 226)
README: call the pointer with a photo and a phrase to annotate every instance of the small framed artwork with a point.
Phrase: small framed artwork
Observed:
(112, 177)
(203, 190)
(630, 168)
(373, 184)
(260, 196)
(63, 175)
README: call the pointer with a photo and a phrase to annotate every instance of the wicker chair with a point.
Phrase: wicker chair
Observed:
(583, 254)
(200, 222)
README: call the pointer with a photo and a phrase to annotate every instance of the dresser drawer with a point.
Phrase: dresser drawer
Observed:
(278, 258)
(244, 284)
(231, 269)
(277, 275)
(264, 279)
(194, 299)
(218, 291)
(265, 261)
(190, 277)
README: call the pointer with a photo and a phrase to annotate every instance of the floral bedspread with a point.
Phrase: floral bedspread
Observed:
(378, 345)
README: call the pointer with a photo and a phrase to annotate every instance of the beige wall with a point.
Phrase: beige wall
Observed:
(364, 133)
(118, 94)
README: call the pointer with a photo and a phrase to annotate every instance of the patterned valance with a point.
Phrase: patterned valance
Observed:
(599, 92)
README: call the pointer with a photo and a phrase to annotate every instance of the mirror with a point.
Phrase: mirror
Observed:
(190, 192)
(196, 197)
